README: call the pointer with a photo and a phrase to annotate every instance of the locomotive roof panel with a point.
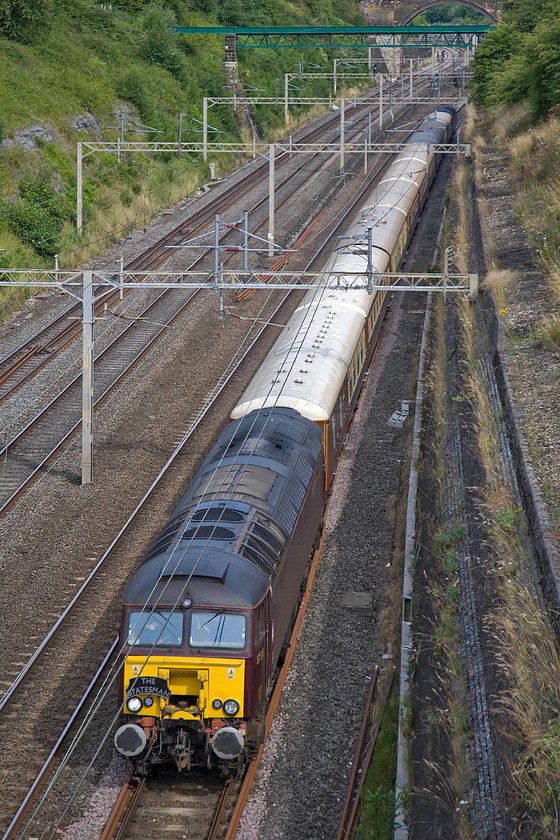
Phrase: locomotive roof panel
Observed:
(226, 537)
(209, 578)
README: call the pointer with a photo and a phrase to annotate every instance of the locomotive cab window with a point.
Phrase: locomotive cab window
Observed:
(160, 628)
(217, 630)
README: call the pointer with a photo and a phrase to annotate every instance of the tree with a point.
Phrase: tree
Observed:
(491, 56)
(159, 46)
(24, 20)
(523, 14)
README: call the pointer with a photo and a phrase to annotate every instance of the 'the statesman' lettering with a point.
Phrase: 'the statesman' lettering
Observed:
(156, 686)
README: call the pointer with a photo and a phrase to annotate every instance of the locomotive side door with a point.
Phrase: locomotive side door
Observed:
(262, 657)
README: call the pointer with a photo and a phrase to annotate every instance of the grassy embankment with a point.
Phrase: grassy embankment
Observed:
(91, 61)
(520, 635)
(526, 645)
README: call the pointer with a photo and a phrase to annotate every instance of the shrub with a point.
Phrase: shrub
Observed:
(39, 215)
(133, 89)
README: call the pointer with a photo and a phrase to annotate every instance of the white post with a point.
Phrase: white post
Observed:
(79, 190)
(271, 201)
(180, 133)
(473, 286)
(87, 379)
(411, 61)
(216, 250)
(342, 126)
(381, 100)
(334, 76)
(286, 115)
(370, 61)
(205, 128)
(120, 140)
(367, 143)
(121, 278)
(246, 246)
(56, 256)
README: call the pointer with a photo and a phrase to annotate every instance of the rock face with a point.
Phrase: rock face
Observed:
(87, 122)
(26, 138)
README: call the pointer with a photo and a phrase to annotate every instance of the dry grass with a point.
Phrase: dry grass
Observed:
(550, 332)
(535, 163)
(108, 220)
(524, 643)
(528, 655)
(453, 770)
(461, 244)
(508, 122)
(497, 282)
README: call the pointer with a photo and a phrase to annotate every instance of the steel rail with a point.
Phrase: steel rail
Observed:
(201, 217)
(362, 758)
(67, 390)
(22, 810)
(151, 258)
(123, 809)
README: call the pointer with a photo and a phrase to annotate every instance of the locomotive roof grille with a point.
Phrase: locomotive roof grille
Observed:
(264, 534)
(218, 514)
(208, 532)
(207, 573)
(261, 446)
(259, 559)
(266, 550)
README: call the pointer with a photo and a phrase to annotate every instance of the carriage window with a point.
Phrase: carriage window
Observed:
(217, 630)
(163, 628)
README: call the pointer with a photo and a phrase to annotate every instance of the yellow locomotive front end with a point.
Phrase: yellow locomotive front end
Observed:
(189, 708)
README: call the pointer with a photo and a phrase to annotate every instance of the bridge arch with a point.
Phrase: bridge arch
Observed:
(422, 7)
(401, 12)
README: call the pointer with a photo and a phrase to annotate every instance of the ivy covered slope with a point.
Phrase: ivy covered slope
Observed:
(70, 68)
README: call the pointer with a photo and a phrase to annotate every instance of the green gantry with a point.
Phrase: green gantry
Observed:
(327, 37)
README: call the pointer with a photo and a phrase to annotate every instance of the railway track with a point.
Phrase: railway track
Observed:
(28, 358)
(32, 680)
(33, 354)
(193, 806)
(40, 440)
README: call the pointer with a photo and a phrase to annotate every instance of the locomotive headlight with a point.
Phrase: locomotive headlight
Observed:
(216, 704)
(148, 701)
(134, 704)
(231, 707)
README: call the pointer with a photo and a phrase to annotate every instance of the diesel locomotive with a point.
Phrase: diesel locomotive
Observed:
(207, 616)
